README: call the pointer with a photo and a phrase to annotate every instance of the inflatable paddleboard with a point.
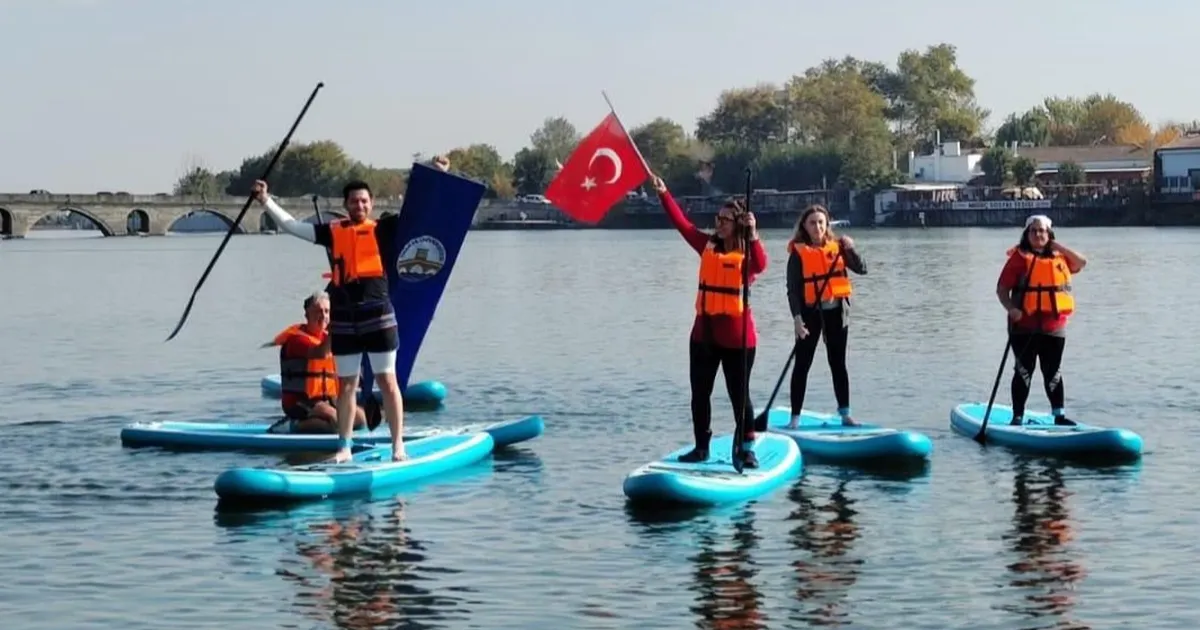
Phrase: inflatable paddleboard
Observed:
(369, 471)
(418, 396)
(715, 481)
(823, 436)
(256, 437)
(1040, 435)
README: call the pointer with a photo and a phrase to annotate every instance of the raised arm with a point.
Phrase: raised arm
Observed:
(288, 223)
(1075, 261)
(695, 237)
(850, 255)
(285, 221)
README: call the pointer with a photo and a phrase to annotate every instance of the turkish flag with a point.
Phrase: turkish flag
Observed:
(599, 172)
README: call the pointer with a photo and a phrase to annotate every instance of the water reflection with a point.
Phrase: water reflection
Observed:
(825, 532)
(1048, 569)
(727, 597)
(365, 570)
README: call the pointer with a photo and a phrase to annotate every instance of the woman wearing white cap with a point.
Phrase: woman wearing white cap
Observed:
(1035, 289)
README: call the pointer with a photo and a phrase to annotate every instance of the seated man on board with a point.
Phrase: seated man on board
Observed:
(309, 377)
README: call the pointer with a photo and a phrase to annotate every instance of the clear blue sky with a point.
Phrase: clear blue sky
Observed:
(119, 94)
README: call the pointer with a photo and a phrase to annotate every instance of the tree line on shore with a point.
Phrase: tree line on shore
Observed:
(847, 123)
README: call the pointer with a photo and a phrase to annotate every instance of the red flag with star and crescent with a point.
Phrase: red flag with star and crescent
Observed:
(603, 168)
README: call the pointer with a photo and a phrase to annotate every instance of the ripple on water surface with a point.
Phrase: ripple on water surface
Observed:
(541, 536)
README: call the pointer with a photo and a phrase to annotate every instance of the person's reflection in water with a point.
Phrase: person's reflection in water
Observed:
(727, 598)
(826, 533)
(371, 564)
(1041, 534)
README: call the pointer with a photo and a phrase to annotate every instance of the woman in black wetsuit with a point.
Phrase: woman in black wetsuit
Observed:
(817, 261)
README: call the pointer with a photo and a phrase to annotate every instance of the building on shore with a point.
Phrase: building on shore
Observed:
(1177, 168)
(951, 179)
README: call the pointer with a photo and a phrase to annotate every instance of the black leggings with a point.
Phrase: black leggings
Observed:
(1028, 350)
(836, 336)
(704, 360)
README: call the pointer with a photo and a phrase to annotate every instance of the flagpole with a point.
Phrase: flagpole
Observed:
(612, 109)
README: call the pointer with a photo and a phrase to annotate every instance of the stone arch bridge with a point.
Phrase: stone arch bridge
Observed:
(124, 214)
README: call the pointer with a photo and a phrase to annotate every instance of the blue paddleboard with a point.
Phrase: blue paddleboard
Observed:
(714, 482)
(823, 436)
(1040, 435)
(255, 436)
(370, 471)
(420, 395)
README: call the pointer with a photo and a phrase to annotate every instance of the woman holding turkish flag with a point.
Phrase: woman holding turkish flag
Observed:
(716, 339)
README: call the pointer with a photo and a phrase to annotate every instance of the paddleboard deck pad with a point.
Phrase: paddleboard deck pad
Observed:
(369, 471)
(258, 437)
(1039, 434)
(713, 482)
(822, 436)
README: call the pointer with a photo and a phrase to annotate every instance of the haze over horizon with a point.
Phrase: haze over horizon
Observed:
(124, 94)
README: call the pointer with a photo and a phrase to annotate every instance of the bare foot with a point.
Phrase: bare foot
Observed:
(398, 454)
(794, 424)
(847, 421)
(342, 456)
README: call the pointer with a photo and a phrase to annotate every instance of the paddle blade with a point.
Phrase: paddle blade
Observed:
(760, 422)
(373, 411)
(183, 318)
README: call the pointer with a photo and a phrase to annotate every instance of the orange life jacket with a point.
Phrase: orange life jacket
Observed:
(355, 251)
(1047, 291)
(720, 289)
(817, 264)
(314, 379)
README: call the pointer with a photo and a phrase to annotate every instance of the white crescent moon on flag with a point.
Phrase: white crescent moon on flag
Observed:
(612, 155)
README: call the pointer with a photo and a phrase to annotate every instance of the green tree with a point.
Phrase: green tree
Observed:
(315, 168)
(834, 107)
(1070, 173)
(928, 91)
(671, 154)
(482, 162)
(1104, 117)
(198, 181)
(996, 165)
(532, 171)
(753, 116)
(659, 141)
(556, 138)
(1023, 169)
(385, 183)
(1031, 128)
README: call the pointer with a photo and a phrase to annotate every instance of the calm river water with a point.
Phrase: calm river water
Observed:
(589, 329)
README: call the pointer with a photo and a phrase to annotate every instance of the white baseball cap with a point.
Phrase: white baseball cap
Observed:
(1038, 218)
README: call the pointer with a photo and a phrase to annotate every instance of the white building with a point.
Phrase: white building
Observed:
(947, 165)
(1179, 166)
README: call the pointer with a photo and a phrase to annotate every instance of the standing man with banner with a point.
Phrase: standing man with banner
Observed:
(363, 321)
(421, 249)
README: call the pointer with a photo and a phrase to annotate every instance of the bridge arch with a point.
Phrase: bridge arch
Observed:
(6, 223)
(104, 228)
(228, 221)
(137, 222)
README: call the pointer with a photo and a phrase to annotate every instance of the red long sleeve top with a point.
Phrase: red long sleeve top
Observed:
(726, 330)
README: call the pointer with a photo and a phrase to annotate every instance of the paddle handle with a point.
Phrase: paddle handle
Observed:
(739, 434)
(236, 222)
